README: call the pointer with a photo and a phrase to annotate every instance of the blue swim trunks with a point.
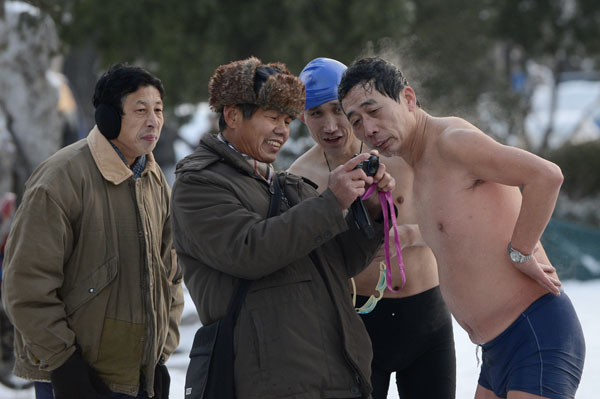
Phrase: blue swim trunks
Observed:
(541, 353)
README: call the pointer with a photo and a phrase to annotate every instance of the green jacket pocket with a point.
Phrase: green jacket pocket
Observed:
(90, 286)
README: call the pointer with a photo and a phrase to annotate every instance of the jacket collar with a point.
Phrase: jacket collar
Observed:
(110, 164)
(212, 150)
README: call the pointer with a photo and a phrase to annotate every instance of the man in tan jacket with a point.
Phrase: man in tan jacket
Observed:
(91, 280)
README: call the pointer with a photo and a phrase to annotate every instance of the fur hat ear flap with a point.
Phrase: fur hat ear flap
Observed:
(233, 83)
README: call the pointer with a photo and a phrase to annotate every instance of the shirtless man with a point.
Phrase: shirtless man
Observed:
(410, 330)
(484, 232)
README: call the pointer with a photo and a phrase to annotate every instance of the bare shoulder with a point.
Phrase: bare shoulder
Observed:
(461, 144)
(456, 138)
(453, 128)
(311, 165)
(304, 161)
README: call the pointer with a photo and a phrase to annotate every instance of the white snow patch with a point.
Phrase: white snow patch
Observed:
(19, 7)
(593, 265)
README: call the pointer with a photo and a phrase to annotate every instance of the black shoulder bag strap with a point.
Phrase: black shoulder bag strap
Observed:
(242, 289)
(275, 203)
(220, 382)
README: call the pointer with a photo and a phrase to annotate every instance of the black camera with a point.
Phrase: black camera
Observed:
(370, 166)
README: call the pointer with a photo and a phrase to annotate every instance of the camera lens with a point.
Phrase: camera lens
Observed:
(370, 166)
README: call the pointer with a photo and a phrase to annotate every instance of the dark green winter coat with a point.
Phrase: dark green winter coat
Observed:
(298, 335)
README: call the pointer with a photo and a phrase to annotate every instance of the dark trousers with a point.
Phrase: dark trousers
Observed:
(43, 390)
(412, 337)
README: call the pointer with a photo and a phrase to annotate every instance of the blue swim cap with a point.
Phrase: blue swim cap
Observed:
(321, 77)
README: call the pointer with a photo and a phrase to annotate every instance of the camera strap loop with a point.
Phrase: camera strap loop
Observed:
(387, 207)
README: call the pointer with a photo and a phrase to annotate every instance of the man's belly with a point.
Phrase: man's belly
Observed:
(468, 225)
(420, 271)
(485, 297)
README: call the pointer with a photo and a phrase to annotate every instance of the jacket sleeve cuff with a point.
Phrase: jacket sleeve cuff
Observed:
(58, 359)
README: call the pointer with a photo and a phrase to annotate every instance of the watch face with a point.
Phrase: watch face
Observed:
(514, 256)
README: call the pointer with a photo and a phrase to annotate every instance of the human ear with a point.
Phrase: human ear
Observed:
(411, 98)
(231, 114)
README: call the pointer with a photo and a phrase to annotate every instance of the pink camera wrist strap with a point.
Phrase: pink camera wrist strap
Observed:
(387, 207)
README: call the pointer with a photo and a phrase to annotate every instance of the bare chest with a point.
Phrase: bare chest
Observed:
(402, 194)
(457, 211)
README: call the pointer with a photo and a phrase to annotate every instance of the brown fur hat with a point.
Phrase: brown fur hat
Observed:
(233, 83)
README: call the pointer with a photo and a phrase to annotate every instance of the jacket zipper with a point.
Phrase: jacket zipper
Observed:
(144, 277)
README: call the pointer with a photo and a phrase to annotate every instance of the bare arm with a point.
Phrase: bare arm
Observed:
(539, 180)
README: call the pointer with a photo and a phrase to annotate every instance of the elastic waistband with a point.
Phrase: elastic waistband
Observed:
(430, 293)
(541, 301)
(426, 301)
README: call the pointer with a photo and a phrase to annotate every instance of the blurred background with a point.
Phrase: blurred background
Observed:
(527, 72)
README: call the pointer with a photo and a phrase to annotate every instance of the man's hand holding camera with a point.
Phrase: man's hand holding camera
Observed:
(350, 180)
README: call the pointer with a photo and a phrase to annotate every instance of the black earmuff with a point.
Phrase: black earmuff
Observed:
(108, 119)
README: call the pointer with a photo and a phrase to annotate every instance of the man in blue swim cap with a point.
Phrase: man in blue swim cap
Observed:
(410, 330)
(325, 119)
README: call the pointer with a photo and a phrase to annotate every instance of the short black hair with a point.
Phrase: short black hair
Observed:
(260, 77)
(119, 81)
(384, 76)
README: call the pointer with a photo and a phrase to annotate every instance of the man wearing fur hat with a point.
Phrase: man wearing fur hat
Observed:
(297, 334)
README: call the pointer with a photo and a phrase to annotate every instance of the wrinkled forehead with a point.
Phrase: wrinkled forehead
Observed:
(144, 94)
(366, 86)
(361, 94)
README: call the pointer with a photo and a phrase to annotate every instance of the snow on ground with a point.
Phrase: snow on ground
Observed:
(585, 297)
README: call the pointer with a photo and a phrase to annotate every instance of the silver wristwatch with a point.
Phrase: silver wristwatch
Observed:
(516, 256)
